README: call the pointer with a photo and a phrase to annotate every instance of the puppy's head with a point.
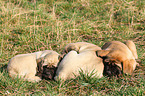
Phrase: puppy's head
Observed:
(47, 66)
(50, 59)
(112, 67)
(49, 72)
(46, 72)
(127, 65)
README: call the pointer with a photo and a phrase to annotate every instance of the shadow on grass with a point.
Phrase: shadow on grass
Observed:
(3, 68)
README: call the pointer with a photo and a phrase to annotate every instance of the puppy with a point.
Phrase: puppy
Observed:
(116, 51)
(25, 65)
(86, 60)
(80, 46)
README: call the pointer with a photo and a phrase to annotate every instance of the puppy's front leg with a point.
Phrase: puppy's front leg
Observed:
(32, 78)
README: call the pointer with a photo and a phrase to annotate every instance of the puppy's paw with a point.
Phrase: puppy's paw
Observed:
(34, 79)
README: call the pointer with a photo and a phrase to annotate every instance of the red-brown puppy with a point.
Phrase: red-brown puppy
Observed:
(119, 52)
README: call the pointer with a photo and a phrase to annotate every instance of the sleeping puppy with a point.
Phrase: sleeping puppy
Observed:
(120, 54)
(86, 60)
(25, 65)
(79, 47)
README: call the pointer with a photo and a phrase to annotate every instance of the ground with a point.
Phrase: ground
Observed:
(33, 25)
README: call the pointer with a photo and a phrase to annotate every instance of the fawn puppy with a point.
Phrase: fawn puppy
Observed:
(25, 65)
(81, 56)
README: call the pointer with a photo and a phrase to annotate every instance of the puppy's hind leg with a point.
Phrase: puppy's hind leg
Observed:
(12, 73)
(130, 44)
(29, 77)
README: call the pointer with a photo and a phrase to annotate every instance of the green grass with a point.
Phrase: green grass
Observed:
(29, 25)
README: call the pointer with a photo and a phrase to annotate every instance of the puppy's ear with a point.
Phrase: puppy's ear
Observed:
(40, 60)
(128, 66)
(102, 53)
(60, 57)
(39, 64)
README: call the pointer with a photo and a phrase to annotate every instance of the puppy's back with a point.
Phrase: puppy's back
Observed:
(119, 48)
(73, 62)
(80, 46)
(19, 64)
(112, 45)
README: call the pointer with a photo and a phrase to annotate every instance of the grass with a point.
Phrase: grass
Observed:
(34, 25)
